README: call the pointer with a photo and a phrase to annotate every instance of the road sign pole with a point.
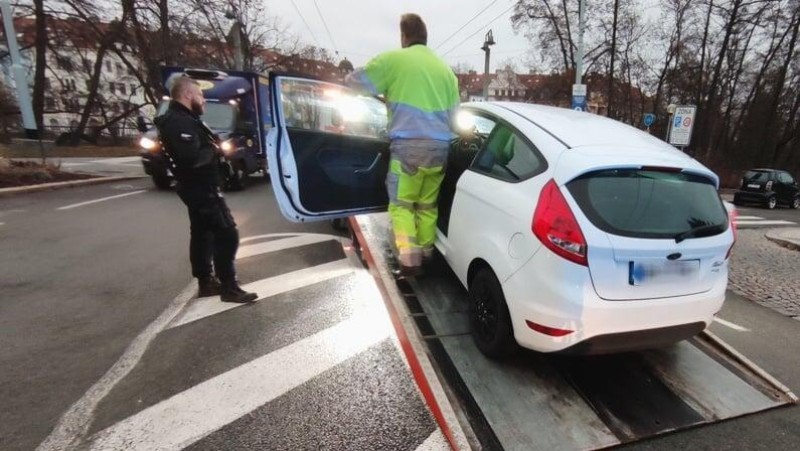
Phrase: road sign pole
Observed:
(18, 72)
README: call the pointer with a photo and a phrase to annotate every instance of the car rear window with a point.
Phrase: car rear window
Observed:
(649, 203)
(756, 176)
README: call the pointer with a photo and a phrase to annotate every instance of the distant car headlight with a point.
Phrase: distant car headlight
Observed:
(227, 146)
(148, 144)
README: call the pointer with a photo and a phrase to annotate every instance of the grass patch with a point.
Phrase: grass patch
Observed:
(26, 173)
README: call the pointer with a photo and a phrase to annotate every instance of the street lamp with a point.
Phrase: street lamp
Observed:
(488, 41)
(236, 35)
(670, 110)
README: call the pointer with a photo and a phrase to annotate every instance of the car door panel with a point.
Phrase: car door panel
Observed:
(328, 152)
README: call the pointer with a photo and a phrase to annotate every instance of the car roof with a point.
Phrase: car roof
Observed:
(765, 170)
(576, 129)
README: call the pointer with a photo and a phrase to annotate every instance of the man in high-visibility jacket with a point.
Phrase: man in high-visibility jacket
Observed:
(421, 91)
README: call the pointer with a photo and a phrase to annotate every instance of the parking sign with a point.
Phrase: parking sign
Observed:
(682, 123)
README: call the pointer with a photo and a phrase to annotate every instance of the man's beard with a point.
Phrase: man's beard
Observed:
(197, 108)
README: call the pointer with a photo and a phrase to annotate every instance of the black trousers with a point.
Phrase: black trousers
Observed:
(214, 236)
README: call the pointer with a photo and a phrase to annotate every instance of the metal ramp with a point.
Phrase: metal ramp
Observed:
(545, 401)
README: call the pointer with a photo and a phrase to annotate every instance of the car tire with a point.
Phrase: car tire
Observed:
(236, 176)
(162, 181)
(490, 322)
(795, 203)
(772, 202)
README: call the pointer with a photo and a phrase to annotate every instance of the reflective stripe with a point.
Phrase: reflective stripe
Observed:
(424, 206)
(403, 204)
(409, 122)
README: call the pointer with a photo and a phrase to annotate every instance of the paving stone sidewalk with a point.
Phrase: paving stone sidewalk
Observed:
(766, 272)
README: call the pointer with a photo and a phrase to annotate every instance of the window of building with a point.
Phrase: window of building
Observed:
(109, 67)
(111, 88)
(119, 68)
(87, 65)
(122, 88)
(50, 103)
(64, 63)
(46, 83)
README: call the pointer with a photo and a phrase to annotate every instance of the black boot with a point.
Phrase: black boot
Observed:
(232, 292)
(208, 286)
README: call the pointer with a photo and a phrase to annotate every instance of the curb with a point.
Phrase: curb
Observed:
(8, 192)
(789, 244)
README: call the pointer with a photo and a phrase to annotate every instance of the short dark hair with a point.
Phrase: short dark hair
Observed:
(180, 85)
(412, 26)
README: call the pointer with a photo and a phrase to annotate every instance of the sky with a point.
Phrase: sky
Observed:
(360, 29)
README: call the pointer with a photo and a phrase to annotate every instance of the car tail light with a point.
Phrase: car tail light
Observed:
(547, 330)
(556, 227)
(732, 217)
(768, 187)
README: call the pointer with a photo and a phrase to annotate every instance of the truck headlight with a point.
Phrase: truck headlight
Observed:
(227, 146)
(148, 144)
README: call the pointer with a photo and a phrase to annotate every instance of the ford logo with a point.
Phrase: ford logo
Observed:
(674, 256)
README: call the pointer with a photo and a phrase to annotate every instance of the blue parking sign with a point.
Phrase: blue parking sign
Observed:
(649, 119)
(678, 120)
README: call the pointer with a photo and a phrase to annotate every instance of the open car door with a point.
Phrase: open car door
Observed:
(328, 151)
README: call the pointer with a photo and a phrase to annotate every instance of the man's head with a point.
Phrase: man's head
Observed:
(187, 92)
(412, 30)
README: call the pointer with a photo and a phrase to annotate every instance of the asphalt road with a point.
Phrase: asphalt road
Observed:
(88, 276)
(82, 282)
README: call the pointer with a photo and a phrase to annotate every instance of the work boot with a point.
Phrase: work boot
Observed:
(232, 292)
(208, 286)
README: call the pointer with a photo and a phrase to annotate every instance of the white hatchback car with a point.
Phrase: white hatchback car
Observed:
(572, 232)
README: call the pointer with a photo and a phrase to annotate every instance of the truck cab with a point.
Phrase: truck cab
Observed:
(237, 110)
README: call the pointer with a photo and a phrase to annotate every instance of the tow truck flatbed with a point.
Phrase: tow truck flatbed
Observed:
(546, 401)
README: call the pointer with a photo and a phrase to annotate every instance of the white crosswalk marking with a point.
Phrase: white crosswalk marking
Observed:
(279, 245)
(189, 416)
(266, 288)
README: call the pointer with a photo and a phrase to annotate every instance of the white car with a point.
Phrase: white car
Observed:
(572, 232)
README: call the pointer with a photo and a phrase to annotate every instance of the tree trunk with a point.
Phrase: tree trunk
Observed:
(610, 95)
(768, 133)
(166, 44)
(707, 117)
(41, 63)
(700, 87)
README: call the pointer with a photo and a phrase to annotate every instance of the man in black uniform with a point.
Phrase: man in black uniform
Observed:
(191, 150)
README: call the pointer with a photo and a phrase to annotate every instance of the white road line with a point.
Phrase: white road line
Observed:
(731, 325)
(435, 442)
(205, 307)
(738, 218)
(103, 199)
(74, 423)
(187, 417)
(118, 160)
(767, 222)
(279, 245)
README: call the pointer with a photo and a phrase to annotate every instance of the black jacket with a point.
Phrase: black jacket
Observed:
(191, 146)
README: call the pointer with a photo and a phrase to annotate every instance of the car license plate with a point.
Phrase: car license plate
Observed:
(661, 273)
(753, 185)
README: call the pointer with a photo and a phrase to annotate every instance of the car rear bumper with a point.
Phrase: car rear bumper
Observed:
(553, 292)
(751, 196)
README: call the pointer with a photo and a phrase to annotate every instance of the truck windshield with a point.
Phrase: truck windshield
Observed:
(218, 116)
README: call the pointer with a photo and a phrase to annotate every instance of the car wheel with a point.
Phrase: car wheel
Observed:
(162, 181)
(489, 318)
(796, 203)
(237, 176)
(772, 202)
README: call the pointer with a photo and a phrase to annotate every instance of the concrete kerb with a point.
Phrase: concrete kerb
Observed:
(7, 192)
(787, 237)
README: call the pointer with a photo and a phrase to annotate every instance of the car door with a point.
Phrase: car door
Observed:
(785, 187)
(328, 150)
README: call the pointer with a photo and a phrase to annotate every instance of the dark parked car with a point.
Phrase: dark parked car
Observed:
(768, 187)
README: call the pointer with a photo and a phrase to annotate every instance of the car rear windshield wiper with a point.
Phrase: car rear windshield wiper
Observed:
(701, 229)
